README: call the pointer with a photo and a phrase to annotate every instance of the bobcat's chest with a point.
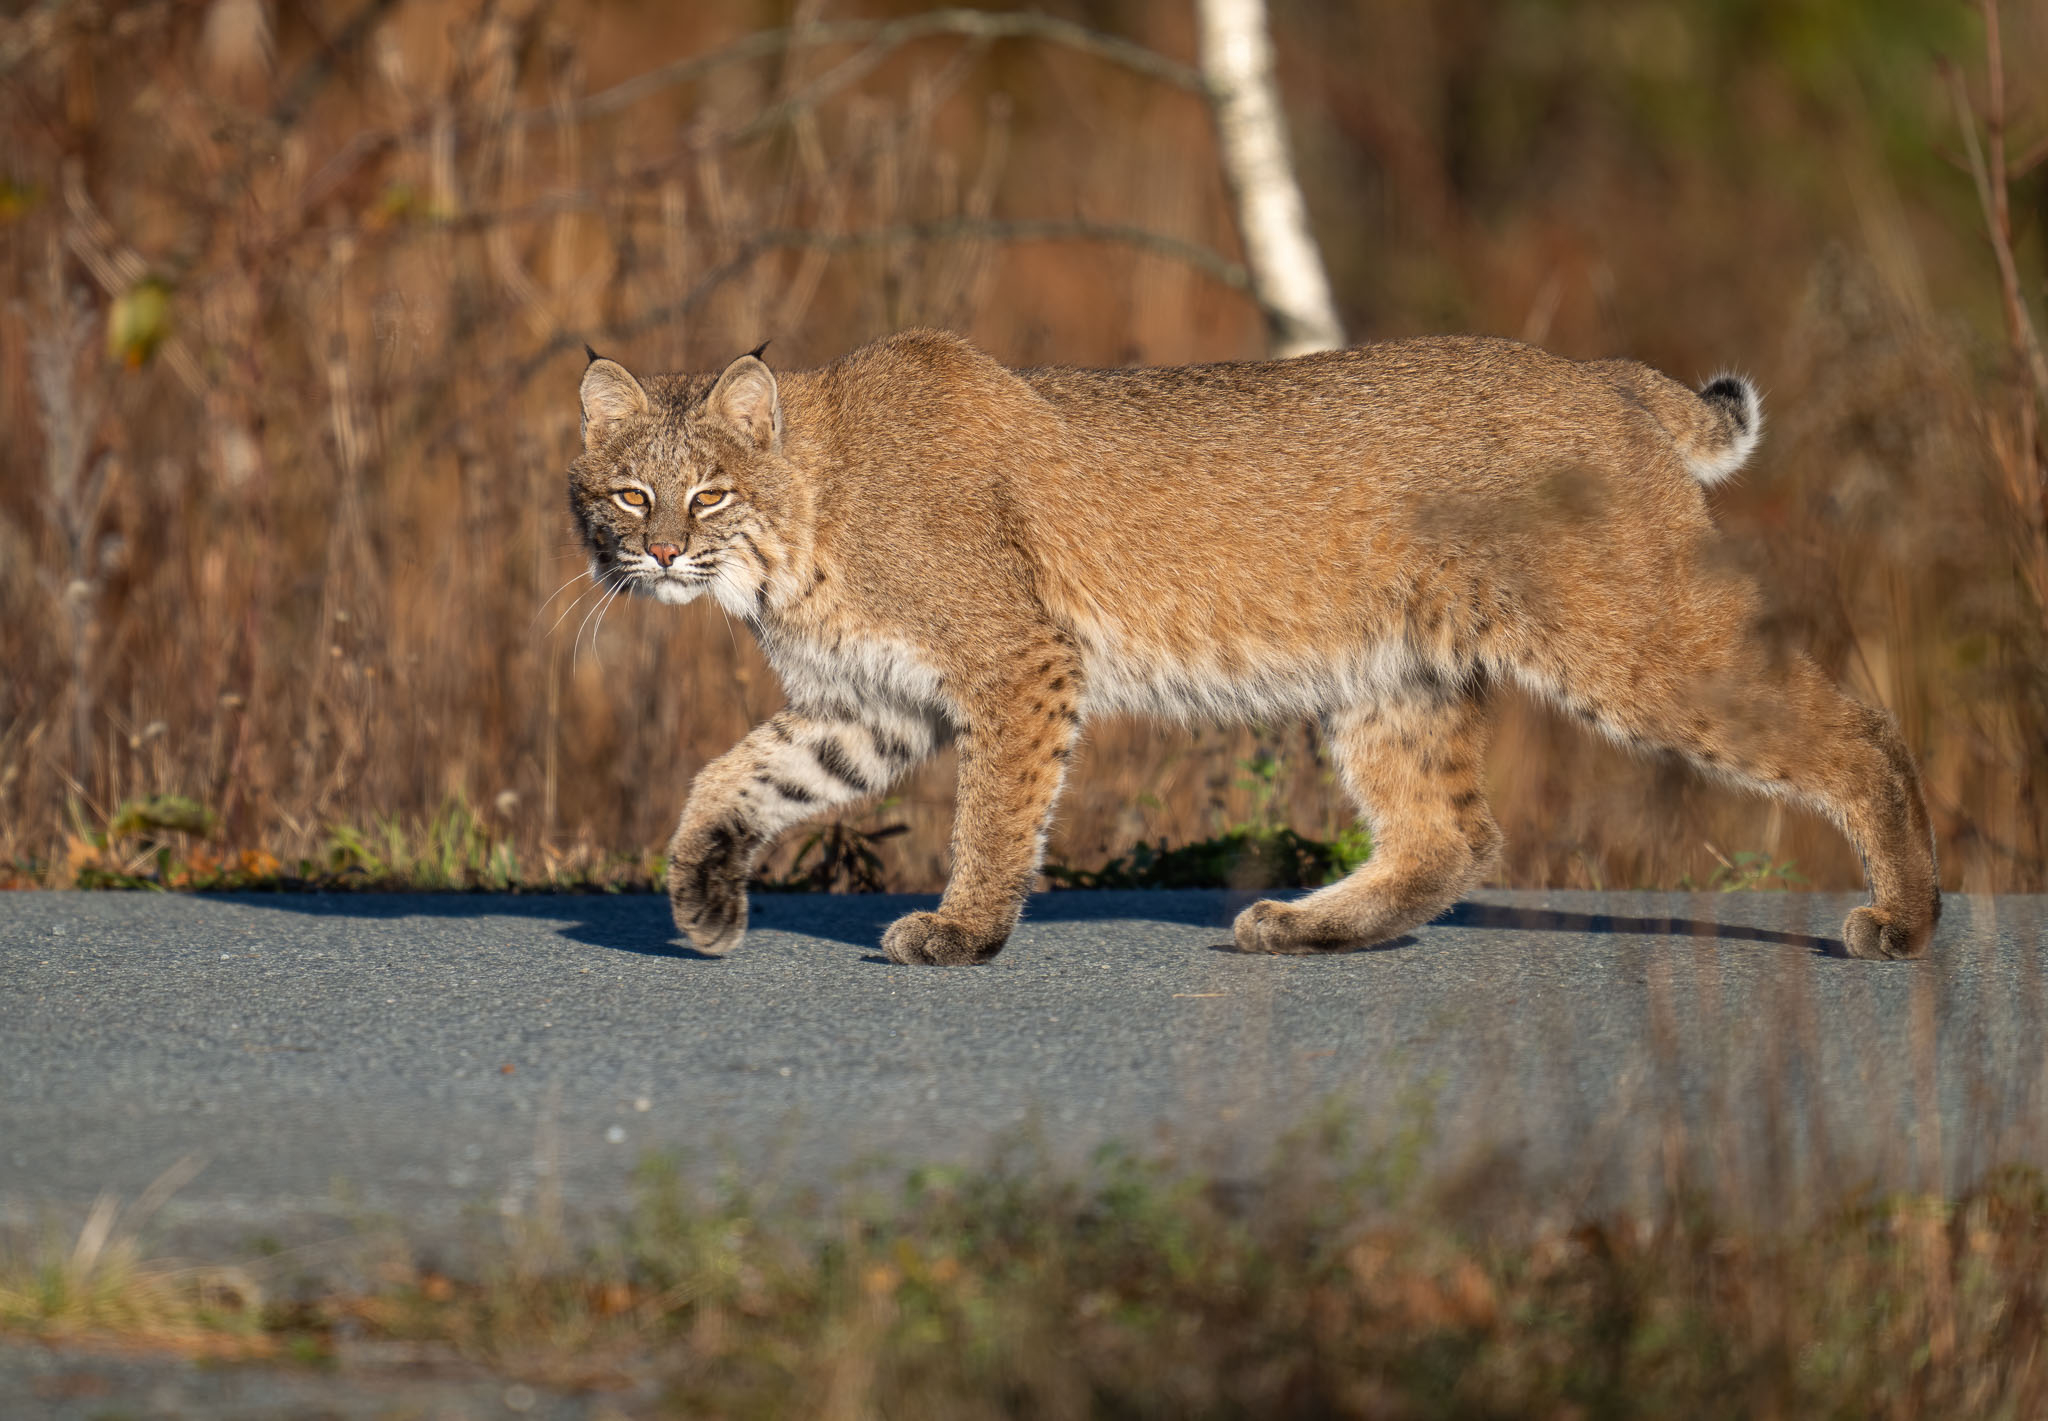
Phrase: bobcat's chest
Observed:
(853, 672)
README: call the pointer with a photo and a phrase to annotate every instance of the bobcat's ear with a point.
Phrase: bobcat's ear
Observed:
(611, 396)
(745, 398)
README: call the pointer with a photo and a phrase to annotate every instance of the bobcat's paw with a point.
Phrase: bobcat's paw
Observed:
(714, 925)
(1268, 926)
(1286, 930)
(930, 939)
(1873, 934)
(707, 892)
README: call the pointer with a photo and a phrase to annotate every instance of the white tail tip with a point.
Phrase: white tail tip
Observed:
(1738, 420)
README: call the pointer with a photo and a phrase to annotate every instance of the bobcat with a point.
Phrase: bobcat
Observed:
(933, 548)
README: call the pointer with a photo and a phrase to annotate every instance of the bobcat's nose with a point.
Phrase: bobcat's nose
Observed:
(664, 553)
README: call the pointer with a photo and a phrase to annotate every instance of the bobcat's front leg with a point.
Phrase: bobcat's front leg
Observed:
(1013, 759)
(787, 769)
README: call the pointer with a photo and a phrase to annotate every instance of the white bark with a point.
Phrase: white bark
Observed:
(1280, 251)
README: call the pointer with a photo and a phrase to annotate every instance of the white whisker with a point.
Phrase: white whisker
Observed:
(541, 610)
(595, 584)
(598, 630)
(575, 647)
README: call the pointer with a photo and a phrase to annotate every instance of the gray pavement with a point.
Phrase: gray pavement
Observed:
(333, 1061)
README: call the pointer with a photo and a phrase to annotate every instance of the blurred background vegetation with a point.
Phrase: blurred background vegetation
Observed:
(295, 293)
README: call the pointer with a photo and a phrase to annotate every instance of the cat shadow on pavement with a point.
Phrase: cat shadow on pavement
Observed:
(639, 922)
(622, 922)
(1551, 920)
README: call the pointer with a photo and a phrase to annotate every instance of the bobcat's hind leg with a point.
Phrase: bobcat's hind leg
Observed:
(1415, 765)
(1778, 724)
(790, 767)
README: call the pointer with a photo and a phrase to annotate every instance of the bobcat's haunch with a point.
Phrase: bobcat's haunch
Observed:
(932, 548)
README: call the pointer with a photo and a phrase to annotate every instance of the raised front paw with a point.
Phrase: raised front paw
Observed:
(707, 891)
(930, 939)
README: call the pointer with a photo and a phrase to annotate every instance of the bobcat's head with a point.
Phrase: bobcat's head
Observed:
(678, 488)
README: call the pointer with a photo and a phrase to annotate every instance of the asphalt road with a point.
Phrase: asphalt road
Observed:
(337, 1060)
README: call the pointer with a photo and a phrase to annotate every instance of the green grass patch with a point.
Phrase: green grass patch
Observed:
(172, 843)
(169, 842)
(1257, 852)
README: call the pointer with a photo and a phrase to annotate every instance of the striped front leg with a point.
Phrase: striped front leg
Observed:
(786, 770)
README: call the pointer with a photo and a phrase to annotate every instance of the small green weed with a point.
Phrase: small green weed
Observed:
(1747, 871)
(1256, 853)
(454, 849)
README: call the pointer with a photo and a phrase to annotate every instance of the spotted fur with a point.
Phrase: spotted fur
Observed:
(934, 549)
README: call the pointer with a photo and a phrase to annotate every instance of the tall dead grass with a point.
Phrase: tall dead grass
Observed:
(294, 300)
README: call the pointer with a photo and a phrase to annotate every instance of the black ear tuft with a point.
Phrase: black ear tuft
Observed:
(756, 351)
(590, 356)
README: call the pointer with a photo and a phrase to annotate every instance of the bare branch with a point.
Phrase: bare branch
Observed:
(2019, 324)
(1994, 121)
(882, 37)
(1210, 263)
(305, 85)
(2032, 159)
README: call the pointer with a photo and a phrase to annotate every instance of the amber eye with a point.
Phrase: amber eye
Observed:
(631, 497)
(709, 498)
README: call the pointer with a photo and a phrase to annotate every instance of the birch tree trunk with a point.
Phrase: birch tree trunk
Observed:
(1272, 219)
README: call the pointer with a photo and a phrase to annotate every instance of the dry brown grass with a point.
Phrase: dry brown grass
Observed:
(1329, 1287)
(294, 296)
(101, 1284)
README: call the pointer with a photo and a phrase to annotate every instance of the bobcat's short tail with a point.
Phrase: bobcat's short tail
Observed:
(1724, 434)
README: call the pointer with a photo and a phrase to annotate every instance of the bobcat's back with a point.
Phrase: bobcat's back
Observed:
(1262, 538)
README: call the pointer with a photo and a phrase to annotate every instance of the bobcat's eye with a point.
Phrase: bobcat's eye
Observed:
(709, 499)
(632, 498)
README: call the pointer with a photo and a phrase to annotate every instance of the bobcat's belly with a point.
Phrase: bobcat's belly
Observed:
(1230, 684)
